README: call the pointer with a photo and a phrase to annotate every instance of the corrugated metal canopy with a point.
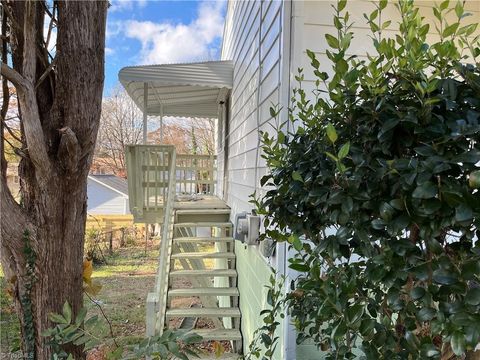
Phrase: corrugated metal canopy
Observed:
(190, 90)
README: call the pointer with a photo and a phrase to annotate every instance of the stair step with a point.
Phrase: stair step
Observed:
(204, 224)
(219, 334)
(202, 215)
(205, 272)
(203, 239)
(204, 255)
(203, 211)
(209, 291)
(203, 312)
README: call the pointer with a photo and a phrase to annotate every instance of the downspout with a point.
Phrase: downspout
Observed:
(260, 65)
(294, 14)
(225, 130)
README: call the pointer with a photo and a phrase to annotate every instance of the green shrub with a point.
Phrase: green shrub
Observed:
(380, 174)
(94, 241)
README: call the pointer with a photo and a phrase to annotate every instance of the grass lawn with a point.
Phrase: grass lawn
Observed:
(126, 278)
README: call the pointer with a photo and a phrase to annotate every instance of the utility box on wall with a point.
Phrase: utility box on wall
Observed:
(247, 228)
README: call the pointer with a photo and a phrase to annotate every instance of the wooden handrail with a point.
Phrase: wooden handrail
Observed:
(166, 248)
(195, 156)
(196, 174)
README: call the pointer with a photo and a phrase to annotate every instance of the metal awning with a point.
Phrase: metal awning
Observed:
(187, 90)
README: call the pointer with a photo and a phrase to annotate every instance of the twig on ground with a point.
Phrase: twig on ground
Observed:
(105, 316)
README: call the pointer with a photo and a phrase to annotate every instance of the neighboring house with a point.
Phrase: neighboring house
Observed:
(107, 195)
(264, 45)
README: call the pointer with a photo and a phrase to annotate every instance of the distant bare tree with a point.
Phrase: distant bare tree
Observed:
(174, 133)
(189, 135)
(120, 124)
(204, 130)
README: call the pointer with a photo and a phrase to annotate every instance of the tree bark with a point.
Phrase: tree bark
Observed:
(42, 239)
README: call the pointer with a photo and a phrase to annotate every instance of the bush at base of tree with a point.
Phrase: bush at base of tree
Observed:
(382, 180)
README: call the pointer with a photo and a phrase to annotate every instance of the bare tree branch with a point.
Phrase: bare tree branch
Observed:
(12, 133)
(31, 121)
(14, 77)
(46, 72)
(6, 97)
(13, 22)
(12, 230)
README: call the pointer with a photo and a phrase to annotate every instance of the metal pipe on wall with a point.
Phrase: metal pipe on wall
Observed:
(145, 111)
(161, 124)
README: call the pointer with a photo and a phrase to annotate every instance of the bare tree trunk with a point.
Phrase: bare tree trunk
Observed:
(43, 238)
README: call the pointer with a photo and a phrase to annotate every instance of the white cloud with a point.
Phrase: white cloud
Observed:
(167, 42)
(114, 28)
(109, 51)
(122, 5)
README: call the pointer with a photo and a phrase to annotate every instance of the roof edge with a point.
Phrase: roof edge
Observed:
(107, 186)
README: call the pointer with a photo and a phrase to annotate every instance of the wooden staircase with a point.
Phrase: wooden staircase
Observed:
(203, 253)
(178, 192)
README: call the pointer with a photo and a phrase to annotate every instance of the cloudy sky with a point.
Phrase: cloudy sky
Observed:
(157, 32)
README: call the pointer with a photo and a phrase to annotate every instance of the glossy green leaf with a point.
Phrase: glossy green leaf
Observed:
(331, 133)
(81, 316)
(426, 314)
(67, 312)
(355, 313)
(296, 242)
(344, 150)
(463, 213)
(296, 176)
(444, 277)
(332, 41)
(427, 190)
(417, 293)
(458, 343)
(473, 296)
(450, 30)
(57, 318)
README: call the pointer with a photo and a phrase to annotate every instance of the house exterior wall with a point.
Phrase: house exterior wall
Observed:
(253, 39)
(318, 21)
(267, 42)
(104, 201)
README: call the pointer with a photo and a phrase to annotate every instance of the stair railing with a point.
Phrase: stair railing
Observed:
(196, 174)
(161, 286)
(148, 170)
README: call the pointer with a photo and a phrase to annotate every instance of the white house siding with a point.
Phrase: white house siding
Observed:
(318, 21)
(253, 39)
(104, 201)
(315, 19)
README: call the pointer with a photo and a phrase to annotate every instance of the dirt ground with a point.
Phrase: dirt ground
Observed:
(126, 278)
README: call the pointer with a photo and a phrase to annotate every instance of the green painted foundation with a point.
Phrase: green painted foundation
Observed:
(253, 274)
